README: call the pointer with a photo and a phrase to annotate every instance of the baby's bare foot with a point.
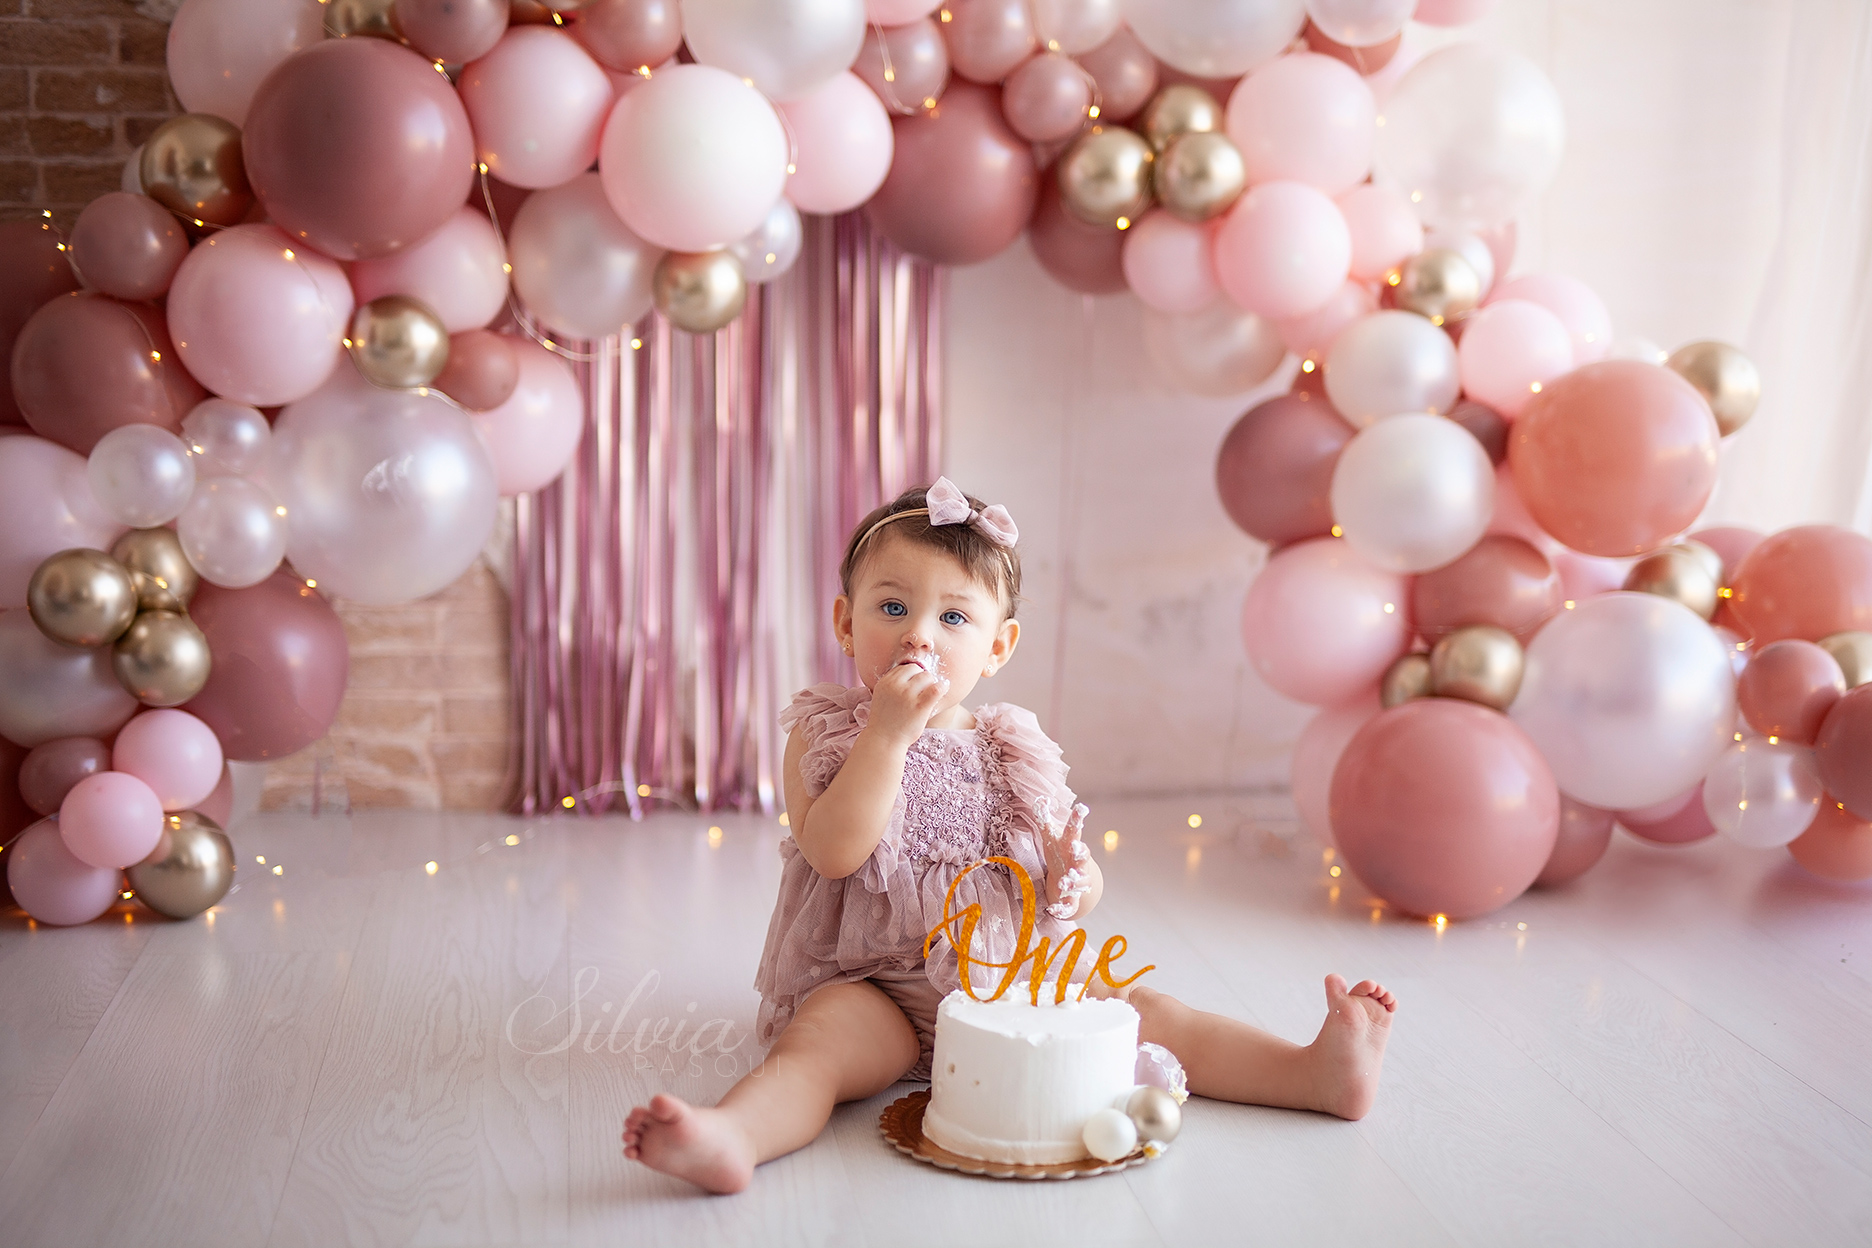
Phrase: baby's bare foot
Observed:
(1349, 1050)
(701, 1145)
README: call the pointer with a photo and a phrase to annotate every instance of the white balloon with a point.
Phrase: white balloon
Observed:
(771, 250)
(575, 265)
(142, 475)
(1109, 1134)
(1472, 134)
(1763, 793)
(1413, 493)
(1219, 351)
(1215, 38)
(1389, 363)
(50, 690)
(1075, 26)
(227, 439)
(787, 47)
(232, 532)
(1359, 23)
(1629, 697)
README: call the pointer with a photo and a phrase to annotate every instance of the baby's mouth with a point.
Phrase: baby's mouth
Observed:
(923, 659)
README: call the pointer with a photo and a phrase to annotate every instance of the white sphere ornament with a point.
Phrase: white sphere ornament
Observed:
(1110, 1135)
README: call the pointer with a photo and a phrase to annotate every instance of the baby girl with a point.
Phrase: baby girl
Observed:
(892, 790)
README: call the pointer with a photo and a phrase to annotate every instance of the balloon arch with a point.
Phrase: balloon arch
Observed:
(301, 353)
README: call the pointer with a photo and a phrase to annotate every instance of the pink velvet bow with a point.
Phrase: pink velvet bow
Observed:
(948, 505)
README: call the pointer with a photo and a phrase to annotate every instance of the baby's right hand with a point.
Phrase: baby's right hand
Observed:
(903, 700)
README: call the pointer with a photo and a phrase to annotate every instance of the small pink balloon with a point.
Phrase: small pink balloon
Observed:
(1585, 833)
(916, 60)
(50, 770)
(1733, 544)
(111, 820)
(988, 38)
(532, 435)
(1509, 350)
(173, 752)
(54, 886)
(1169, 264)
(627, 35)
(219, 50)
(219, 805)
(1573, 301)
(538, 104)
(842, 141)
(458, 271)
(1321, 624)
(1081, 257)
(1304, 118)
(1309, 335)
(127, 246)
(456, 31)
(1384, 228)
(1786, 690)
(1316, 754)
(1047, 98)
(1282, 250)
(1682, 826)
(1126, 74)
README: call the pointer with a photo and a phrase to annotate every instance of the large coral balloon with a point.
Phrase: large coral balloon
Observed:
(1807, 582)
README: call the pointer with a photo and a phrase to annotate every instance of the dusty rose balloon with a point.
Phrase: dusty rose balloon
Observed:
(52, 885)
(1321, 624)
(916, 60)
(1081, 257)
(1304, 118)
(1684, 825)
(220, 50)
(538, 104)
(1787, 689)
(110, 820)
(280, 665)
(1282, 250)
(962, 185)
(1444, 807)
(532, 435)
(1486, 426)
(1046, 98)
(1584, 834)
(127, 246)
(1836, 846)
(1573, 301)
(456, 31)
(482, 371)
(842, 145)
(85, 364)
(626, 35)
(1616, 458)
(219, 805)
(1126, 74)
(1316, 754)
(1169, 264)
(1843, 749)
(1274, 471)
(50, 770)
(358, 147)
(988, 38)
(46, 506)
(1385, 231)
(1510, 351)
(174, 753)
(257, 319)
(458, 271)
(1501, 581)
(1807, 582)
(33, 272)
(1311, 335)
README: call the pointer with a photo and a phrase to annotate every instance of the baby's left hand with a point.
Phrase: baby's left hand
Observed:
(1066, 855)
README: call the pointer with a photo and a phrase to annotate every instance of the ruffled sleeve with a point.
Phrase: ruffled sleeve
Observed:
(831, 716)
(1032, 767)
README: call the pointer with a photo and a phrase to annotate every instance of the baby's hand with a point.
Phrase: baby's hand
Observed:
(1066, 855)
(903, 701)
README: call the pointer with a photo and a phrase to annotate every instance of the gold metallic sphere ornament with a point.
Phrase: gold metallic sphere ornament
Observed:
(1853, 652)
(1199, 176)
(1439, 284)
(192, 166)
(1724, 376)
(1155, 1113)
(376, 18)
(1177, 110)
(1105, 176)
(398, 342)
(191, 868)
(699, 291)
(82, 597)
(1405, 680)
(1682, 573)
(163, 659)
(164, 578)
(1478, 664)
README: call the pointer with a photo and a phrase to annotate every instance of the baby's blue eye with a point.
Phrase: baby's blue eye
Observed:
(895, 608)
(954, 619)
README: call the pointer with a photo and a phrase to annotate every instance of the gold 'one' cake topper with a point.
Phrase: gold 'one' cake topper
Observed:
(1041, 956)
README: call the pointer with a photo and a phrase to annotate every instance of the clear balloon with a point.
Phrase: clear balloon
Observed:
(1510, 350)
(174, 753)
(1209, 40)
(576, 266)
(1322, 624)
(1283, 249)
(219, 50)
(532, 435)
(1316, 754)
(51, 884)
(771, 250)
(141, 475)
(1763, 794)
(1390, 363)
(1385, 230)
(787, 47)
(227, 439)
(1304, 118)
(459, 272)
(842, 142)
(1218, 351)
(46, 506)
(1169, 265)
(1413, 492)
(232, 532)
(538, 104)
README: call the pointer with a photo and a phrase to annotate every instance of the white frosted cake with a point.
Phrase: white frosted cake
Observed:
(1015, 1082)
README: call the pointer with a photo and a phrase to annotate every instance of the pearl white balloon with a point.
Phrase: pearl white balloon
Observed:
(232, 532)
(1219, 351)
(1212, 38)
(141, 475)
(1629, 697)
(1763, 793)
(771, 250)
(1359, 23)
(50, 690)
(227, 439)
(1413, 493)
(1389, 363)
(1075, 26)
(576, 266)
(787, 47)
(1109, 1134)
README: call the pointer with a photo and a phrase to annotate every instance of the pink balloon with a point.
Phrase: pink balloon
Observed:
(1047, 98)
(1126, 74)
(49, 771)
(458, 271)
(1452, 12)
(842, 141)
(1384, 228)
(917, 60)
(1316, 754)
(962, 185)
(1582, 312)
(54, 886)
(173, 752)
(1585, 576)
(1310, 334)
(988, 38)
(219, 50)
(1585, 832)
(1275, 467)
(898, 12)
(532, 435)
(1511, 516)
(1322, 624)
(1081, 257)
(1282, 250)
(693, 159)
(127, 246)
(1661, 825)
(111, 820)
(456, 31)
(1169, 264)
(46, 506)
(1304, 118)
(538, 104)
(280, 664)
(257, 317)
(1509, 350)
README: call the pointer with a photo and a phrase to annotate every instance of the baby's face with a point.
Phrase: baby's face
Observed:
(912, 603)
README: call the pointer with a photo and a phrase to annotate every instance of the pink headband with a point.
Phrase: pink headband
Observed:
(948, 505)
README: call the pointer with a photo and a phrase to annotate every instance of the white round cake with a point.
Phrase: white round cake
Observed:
(1015, 1082)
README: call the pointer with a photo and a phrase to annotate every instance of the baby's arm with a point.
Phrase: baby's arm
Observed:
(1074, 882)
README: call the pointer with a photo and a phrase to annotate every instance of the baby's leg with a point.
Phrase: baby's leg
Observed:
(847, 1042)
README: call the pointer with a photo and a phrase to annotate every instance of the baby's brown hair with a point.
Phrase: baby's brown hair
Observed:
(996, 568)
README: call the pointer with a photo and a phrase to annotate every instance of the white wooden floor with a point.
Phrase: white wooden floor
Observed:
(1677, 1050)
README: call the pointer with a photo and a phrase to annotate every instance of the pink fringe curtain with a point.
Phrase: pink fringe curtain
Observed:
(672, 589)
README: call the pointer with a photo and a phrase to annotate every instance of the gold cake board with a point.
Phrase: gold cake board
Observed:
(902, 1124)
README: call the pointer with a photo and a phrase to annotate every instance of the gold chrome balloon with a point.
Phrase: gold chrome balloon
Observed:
(192, 166)
(1199, 176)
(1177, 110)
(163, 660)
(1479, 664)
(191, 868)
(699, 291)
(1105, 176)
(1439, 284)
(1724, 376)
(1853, 651)
(376, 18)
(1681, 573)
(164, 578)
(398, 342)
(1404, 680)
(1155, 1113)
(82, 598)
